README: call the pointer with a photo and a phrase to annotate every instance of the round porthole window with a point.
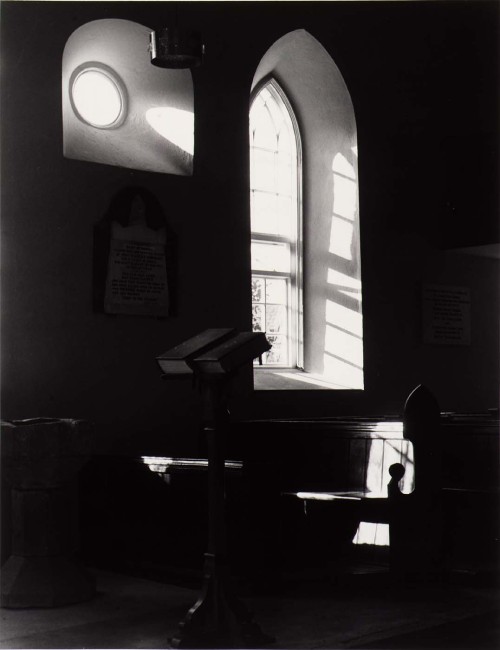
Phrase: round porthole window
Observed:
(98, 96)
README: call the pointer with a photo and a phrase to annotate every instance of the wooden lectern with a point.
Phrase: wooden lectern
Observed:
(218, 619)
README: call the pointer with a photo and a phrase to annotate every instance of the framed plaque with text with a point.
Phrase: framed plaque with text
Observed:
(446, 315)
(132, 262)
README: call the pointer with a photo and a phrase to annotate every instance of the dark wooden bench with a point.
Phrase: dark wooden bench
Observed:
(413, 514)
(316, 482)
(344, 479)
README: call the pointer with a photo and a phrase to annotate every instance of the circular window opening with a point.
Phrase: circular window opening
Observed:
(98, 96)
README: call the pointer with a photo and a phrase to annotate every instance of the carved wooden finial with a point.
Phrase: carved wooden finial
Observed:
(397, 471)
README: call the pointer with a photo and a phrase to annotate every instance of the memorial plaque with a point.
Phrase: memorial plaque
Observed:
(136, 281)
(446, 315)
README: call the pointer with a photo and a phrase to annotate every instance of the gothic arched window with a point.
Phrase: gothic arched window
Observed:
(275, 180)
(305, 229)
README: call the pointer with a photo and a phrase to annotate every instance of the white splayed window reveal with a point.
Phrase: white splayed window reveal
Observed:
(120, 110)
(329, 237)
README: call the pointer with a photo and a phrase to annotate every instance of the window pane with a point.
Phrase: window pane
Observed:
(258, 316)
(257, 105)
(278, 353)
(283, 213)
(264, 134)
(270, 256)
(97, 97)
(276, 291)
(283, 176)
(276, 114)
(262, 174)
(257, 289)
(270, 213)
(265, 95)
(276, 319)
(285, 145)
(264, 215)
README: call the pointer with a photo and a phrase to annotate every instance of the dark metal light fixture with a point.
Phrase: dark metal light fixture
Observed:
(173, 48)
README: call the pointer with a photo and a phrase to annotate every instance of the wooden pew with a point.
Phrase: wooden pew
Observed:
(415, 519)
(411, 473)
(455, 501)
(270, 462)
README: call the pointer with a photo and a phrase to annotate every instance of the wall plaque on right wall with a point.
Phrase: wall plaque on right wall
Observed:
(446, 315)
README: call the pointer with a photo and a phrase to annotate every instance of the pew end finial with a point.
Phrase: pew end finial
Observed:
(397, 471)
(421, 411)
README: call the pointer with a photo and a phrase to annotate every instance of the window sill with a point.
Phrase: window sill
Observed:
(291, 379)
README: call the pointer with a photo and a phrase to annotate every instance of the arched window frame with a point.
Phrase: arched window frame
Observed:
(295, 354)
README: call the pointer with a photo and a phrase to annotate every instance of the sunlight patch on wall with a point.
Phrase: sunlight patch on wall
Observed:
(345, 191)
(346, 346)
(343, 343)
(343, 349)
(345, 318)
(342, 372)
(344, 188)
(341, 238)
(342, 166)
(344, 197)
(345, 284)
(175, 125)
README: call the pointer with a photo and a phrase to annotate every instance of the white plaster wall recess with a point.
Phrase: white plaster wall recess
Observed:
(152, 117)
(333, 317)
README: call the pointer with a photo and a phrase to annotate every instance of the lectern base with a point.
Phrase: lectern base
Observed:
(218, 619)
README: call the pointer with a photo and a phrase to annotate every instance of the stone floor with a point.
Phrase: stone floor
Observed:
(136, 613)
